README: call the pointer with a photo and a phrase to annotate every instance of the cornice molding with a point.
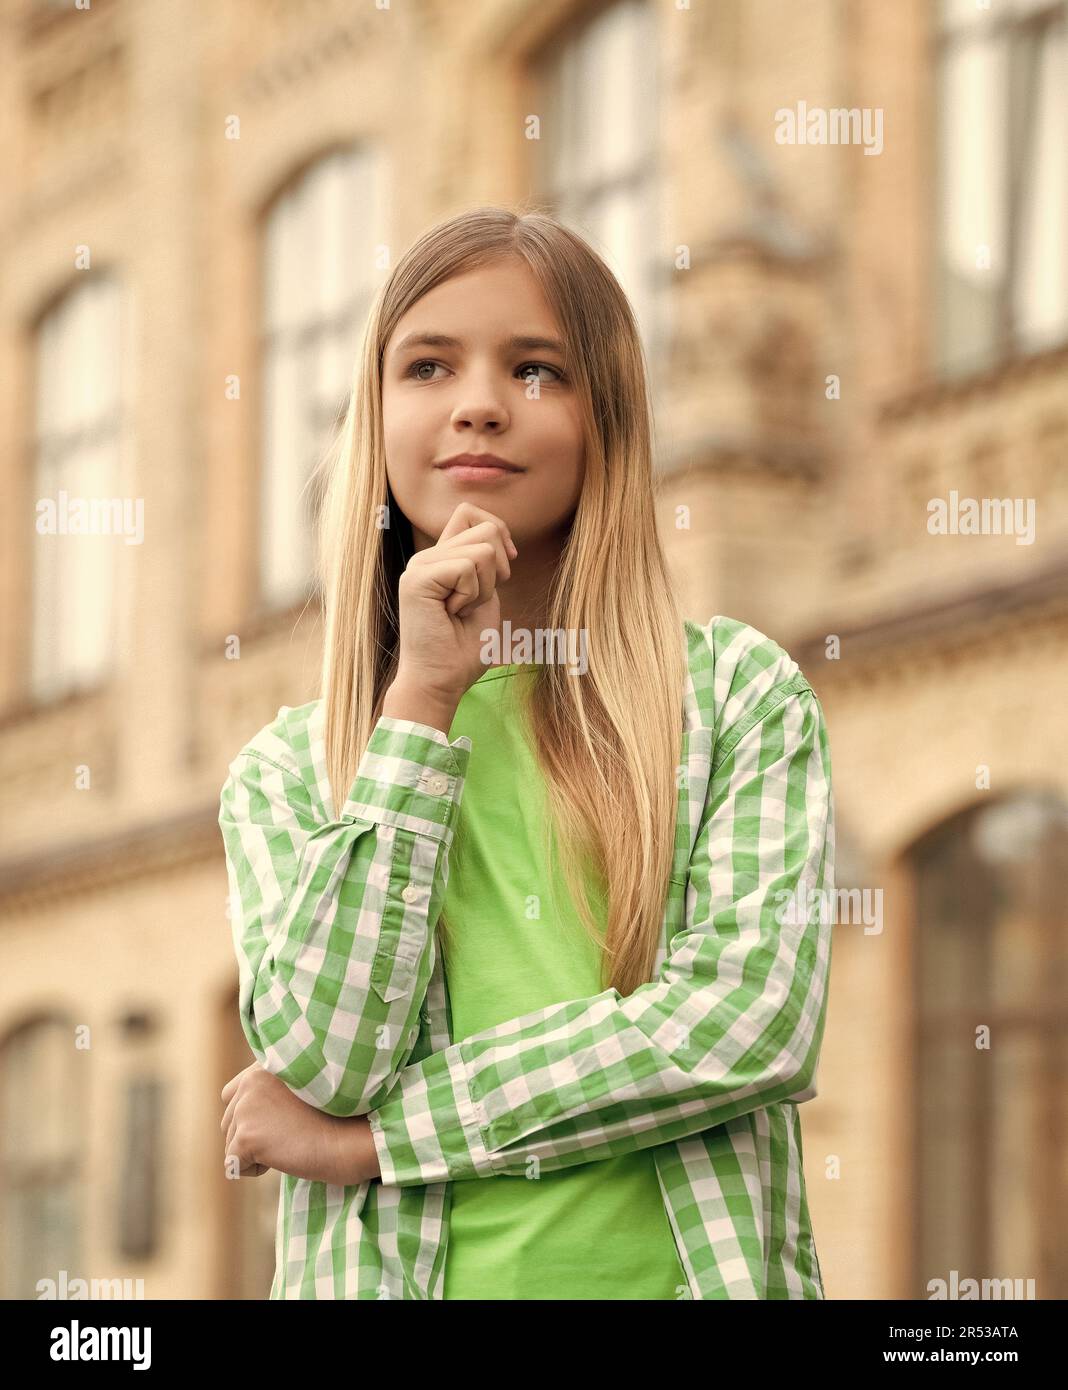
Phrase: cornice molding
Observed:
(47, 877)
(722, 453)
(264, 625)
(937, 396)
(952, 622)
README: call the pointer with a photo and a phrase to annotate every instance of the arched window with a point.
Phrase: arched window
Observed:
(319, 276)
(76, 467)
(991, 945)
(598, 148)
(42, 1152)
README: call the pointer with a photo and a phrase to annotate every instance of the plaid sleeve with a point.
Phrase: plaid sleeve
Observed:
(733, 1023)
(333, 921)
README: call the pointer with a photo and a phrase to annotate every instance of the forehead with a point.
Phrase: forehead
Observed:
(501, 305)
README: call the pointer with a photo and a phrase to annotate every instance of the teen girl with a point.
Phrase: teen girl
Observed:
(528, 954)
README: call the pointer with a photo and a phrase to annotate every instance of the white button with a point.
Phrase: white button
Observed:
(438, 783)
(409, 893)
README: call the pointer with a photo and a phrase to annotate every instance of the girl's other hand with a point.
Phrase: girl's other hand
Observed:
(266, 1126)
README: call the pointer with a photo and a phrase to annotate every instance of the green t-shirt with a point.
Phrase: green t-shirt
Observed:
(594, 1230)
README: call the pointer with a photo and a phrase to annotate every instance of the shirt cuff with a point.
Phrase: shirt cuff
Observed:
(429, 1128)
(410, 776)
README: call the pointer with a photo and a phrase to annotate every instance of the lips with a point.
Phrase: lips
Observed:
(464, 473)
(478, 468)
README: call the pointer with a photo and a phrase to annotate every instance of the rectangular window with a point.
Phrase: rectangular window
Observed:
(598, 146)
(1002, 195)
(319, 275)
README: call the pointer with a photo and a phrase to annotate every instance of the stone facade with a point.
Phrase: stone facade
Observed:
(806, 507)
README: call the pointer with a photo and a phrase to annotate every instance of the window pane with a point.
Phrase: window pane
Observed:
(973, 207)
(948, 1157)
(90, 565)
(41, 1239)
(284, 258)
(992, 950)
(77, 440)
(621, 229)
(1020, 1145)
(327, 231)
(617, 96)
(284, 560)
(40, 1093)
(42, 1136)
(143, 1159)
(952, 901)
(319, 273)
(597, 158)
(956, 14)
(1040, 294)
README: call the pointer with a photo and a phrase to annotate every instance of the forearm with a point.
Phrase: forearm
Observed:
(465, 1112)
(334, 920)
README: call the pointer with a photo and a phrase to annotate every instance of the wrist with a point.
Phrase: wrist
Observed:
(355, 1158)
(419, 705)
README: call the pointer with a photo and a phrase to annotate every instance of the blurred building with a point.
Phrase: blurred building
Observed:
(844, 230)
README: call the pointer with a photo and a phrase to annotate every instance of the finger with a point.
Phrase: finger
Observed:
(468, 515)
(247, 1167)
(476, 579)
(229, 1150)
(228, 1114)
(489, 530)
(491, 561)
(233, 1149)
(462, 580)
(250, 1170)
(488, 560)
(483, 532)
(465, 515)
(232, 1084)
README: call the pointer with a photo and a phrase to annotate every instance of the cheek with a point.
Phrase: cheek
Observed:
(393, 422)
(400, 436)
(571, 449)
(563, 477)
(561, 429)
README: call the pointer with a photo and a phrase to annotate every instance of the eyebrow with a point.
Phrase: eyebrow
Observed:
(518, 343)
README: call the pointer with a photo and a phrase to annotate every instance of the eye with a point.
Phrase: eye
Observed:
(423, 362)
(526, 369)
(545, 365)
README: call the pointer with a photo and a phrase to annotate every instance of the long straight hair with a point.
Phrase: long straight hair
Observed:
(607, 741)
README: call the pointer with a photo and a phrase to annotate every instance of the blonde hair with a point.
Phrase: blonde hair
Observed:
(607, 741)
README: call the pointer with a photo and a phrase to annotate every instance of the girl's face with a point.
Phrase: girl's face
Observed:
(473, 395)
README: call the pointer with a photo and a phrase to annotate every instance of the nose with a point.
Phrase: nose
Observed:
(480, 404)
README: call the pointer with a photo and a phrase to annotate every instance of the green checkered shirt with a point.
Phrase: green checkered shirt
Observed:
(342, 992)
